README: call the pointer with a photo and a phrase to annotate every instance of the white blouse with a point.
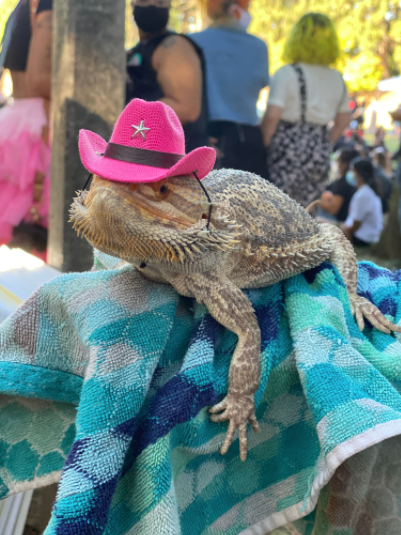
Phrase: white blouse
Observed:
(366, 207)
(326, 94)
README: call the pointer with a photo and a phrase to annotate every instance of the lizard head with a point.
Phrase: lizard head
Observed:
(163, 220)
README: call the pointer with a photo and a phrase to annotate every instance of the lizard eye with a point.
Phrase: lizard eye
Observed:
(163, 189)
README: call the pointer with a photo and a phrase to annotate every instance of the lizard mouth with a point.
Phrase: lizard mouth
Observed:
(141, 203)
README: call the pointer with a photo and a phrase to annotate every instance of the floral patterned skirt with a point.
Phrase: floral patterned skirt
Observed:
(299, 160)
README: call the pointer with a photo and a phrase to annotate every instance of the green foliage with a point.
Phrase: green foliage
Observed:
(131, 31)
(369, 34)
(6, 7)
(183, 13)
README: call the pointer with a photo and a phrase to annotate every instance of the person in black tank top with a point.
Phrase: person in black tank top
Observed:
(169, 67)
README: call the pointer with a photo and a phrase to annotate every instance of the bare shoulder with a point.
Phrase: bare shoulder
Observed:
(175, 46)
(44, 20)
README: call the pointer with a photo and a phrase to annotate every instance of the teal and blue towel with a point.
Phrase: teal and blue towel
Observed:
(106, 379)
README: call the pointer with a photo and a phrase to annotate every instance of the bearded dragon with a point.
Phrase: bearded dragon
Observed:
(256, 235)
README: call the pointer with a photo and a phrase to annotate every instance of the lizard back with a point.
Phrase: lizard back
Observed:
(268, 216)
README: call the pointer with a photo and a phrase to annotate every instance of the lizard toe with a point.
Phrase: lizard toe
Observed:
(365, 309)
(254, 423)
(219, 407)
(229, 438)
(217, 418)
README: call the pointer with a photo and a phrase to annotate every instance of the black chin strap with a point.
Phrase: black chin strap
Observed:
(208, 198)
(88, 181)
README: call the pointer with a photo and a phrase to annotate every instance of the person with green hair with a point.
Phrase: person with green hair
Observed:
(306, 95)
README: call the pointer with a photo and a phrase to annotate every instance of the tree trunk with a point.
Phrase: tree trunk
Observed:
(88, 92)
(389, 246)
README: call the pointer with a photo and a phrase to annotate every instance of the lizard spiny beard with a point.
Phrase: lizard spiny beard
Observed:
(171, 246)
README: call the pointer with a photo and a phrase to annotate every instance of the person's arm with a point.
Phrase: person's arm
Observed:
(278, 98)
(357, 214)
(179, 74)
(270, 121)
(331, 203)
(350, 230)
(341, 122)
(39, 59)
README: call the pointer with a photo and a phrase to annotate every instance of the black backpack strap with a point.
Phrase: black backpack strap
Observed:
(302, 90)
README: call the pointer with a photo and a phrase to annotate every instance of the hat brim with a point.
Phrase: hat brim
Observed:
(92, 146)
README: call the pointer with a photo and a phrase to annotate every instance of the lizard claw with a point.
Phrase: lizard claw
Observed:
(239, 409)
(361, 308)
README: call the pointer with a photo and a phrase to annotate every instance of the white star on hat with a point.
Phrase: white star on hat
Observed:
(140, 129)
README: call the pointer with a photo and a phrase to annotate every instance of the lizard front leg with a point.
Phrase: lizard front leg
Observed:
(231, 308)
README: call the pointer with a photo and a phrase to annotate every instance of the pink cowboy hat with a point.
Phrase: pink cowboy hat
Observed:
(147, 144)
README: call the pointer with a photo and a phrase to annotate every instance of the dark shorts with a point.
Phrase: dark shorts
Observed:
(360, 243)
(242, 146)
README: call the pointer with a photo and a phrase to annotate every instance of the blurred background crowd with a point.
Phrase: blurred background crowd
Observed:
(305, 95)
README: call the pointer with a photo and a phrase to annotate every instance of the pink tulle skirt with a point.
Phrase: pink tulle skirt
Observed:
(22, 154)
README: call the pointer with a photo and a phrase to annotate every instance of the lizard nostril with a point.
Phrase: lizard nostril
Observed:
(143, 265)
(204, 216)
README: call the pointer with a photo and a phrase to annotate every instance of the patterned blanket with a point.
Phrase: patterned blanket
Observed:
(105, 379)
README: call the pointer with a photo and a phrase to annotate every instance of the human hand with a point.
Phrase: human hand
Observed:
(327, 196)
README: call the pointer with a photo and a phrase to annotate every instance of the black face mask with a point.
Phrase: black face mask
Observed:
(151, 19)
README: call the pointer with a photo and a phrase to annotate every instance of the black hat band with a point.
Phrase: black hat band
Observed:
(153, 158)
